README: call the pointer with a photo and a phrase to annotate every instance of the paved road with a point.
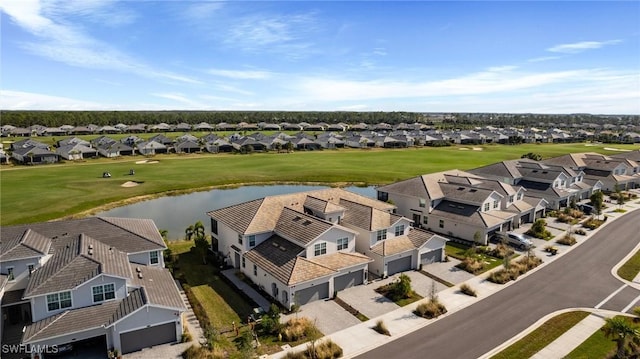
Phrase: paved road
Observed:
(581, 278)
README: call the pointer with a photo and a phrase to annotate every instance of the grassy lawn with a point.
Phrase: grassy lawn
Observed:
(459, 251)
(75, 187)
(542, 336)
(631, 268)
(597, 346)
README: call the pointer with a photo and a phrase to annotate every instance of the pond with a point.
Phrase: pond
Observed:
(176, 213)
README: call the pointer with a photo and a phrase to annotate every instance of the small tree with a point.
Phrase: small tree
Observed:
(201, 247)
(621, 332)
(597, 202)
(188, 232)
(402, 288)
(271, 320)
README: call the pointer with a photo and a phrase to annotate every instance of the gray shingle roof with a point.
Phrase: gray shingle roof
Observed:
(465, 193)
(366, 217)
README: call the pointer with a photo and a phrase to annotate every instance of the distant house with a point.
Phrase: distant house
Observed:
(151, 148)
(76, 152)
(34, 155)
(115, 149)
(187, 146)
(612, 172)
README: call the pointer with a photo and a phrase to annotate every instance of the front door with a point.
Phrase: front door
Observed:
(236, 263)
(416, 219)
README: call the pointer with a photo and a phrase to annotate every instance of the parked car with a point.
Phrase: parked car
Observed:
(515, 239)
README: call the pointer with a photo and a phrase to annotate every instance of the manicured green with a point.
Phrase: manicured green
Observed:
(542, 336)
(597, 345)
(631, 268)
(39, 193)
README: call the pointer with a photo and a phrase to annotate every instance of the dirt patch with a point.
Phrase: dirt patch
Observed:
(130, 184)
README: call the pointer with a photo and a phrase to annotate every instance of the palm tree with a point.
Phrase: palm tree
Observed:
(189, 232)
(198, 230)
(621, 331)
(164, 233)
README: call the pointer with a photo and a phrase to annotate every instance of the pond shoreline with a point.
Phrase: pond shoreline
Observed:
(147, 197)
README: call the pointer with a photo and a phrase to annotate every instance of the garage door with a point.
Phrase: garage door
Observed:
(148, 337)
(319, 291)
(399, 265)
(431, 257)
(526, 218)
(347, 280)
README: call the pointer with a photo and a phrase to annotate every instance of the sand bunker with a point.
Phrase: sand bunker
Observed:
(463, 149)
(616, 149)
(130, 184)
(145, 162)
(477, 148)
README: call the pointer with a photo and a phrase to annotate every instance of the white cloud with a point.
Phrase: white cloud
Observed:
(19, 100)
(241, 74)
(62, 42)
(577, 47)
(202, 10)
(544, 58)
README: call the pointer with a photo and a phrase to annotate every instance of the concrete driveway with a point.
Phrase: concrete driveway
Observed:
(367, 301)
(448, 271)
(329, 317)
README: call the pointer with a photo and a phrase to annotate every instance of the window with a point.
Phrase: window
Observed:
(519, 196)
(441, 223)
(425, 220)
(320, 249)
(343, 243)
(381, 235)
(214, 226)
(243, 263)
(511, 198)
(252, 241)
(153, 257)
(487, 206)
(495, 204)
(103, 292)
(58, 301)
(10, 273)
(399, 230)
(255, 270)
(31, 268)
(383, 196)
(239, 238)
(423, 202)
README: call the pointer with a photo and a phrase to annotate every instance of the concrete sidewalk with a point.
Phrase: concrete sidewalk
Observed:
(361, 338)
(572, 338)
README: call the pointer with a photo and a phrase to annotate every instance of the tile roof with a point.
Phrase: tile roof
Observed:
(81, 319)
(261, 215)
(159, 285)
(279, 257)
(78, 260)
(341, 260)
(321, 205)
(300, 227)
(393, 246)
(366, 217)
(125, 234)
(28, 244)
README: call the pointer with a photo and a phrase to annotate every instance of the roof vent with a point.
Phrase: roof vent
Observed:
(91, 246)
(90, 252)
(140, 275)
(274, 244)
(65, 234)
(306, 223)
(460, 188)
(297, 218)
(283, 249)
(138, 269)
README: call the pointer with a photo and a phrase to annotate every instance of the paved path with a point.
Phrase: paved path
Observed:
(246, 289)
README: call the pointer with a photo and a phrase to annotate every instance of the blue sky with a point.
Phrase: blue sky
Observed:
(541, 57)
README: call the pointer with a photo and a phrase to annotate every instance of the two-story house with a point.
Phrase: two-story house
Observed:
(93, 280)
(462, 205)
(303, 246)
(612, 172)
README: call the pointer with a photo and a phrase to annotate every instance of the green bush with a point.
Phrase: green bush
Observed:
(592, 223)
(431, 309)
(538, 230)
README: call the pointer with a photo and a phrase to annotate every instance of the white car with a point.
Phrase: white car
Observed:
(518, 240)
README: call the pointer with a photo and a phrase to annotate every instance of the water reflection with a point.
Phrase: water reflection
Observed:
(176, 213)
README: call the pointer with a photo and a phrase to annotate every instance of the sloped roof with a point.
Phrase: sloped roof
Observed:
(367, 217)
(27, 244)
(160, 287)
(341, 260)
(76, 261)
(299, 226)
(391, 246)
(262, 215)
(321, 205)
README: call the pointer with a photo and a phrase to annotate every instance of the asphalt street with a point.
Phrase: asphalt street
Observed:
(581, 278)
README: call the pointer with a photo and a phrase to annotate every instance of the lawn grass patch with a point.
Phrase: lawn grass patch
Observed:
(479, 261)
(25, 188)
(631, 268)
(597, 345)
(542, 336)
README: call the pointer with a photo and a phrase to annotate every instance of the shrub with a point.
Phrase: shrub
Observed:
(431, 309)
(592, 223)
(581, 232)
(397, 290)
(297, 328)
(186, 336)
(381, 328)
(538, 230)
(567, 239)
(271, 320)
(194, 352)
(466, 289)
(500, 251)
(514, 270)
(471, 265)
(324, 350)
